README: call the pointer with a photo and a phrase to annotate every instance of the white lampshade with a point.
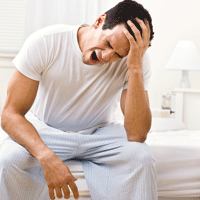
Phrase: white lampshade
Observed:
(184, 57)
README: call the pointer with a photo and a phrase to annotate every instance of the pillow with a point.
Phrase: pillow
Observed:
(166, 124)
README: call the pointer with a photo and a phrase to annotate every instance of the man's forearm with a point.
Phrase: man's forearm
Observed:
(24, 133)
(137, 115)
(56, 173)
(137, 121)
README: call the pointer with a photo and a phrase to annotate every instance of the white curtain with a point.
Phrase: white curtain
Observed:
(41, 13)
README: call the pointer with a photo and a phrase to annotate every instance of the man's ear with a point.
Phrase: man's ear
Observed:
(100, 21)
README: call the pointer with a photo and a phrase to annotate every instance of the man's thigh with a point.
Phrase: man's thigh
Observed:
(109, 145)
(12, 153)
(63, 144)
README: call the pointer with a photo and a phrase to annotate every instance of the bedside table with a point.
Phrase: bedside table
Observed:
(186, 107)
(161, 113)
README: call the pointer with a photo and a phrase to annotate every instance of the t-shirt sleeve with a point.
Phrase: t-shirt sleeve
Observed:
(32, 58)
(146, 72)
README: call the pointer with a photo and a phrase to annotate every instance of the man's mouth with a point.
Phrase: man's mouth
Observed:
(94, 57)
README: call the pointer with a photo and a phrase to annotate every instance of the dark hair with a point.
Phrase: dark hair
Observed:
(127, 10)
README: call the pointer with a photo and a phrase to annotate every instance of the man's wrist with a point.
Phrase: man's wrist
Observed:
(135, 71)
(135, 66)
(44, 155)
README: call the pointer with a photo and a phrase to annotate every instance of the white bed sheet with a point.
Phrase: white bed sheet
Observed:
(177, 156)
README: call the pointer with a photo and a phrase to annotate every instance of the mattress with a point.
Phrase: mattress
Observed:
(177, 156)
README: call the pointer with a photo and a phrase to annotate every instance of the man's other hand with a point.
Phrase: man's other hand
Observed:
(58, 177)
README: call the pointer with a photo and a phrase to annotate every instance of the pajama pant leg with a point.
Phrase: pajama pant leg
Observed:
(116, 169)
(21, 176)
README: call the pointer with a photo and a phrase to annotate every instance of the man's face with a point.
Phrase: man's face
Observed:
(105, 46)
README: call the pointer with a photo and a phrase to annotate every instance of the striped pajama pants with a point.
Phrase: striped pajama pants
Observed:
(114, 168)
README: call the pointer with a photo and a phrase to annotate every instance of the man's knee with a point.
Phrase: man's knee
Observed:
(139, 153)
(10, 156)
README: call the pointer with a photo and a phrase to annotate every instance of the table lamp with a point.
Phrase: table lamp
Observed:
(184, 57)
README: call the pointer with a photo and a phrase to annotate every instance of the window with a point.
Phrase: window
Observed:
(12, 23)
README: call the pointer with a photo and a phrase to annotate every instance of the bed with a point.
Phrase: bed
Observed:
(177, 155)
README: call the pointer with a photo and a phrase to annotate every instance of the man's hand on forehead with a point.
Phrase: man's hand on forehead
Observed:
(139, 46)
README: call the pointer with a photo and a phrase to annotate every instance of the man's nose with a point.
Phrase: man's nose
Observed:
(107, 54)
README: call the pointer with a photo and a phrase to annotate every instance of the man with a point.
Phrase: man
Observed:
(71, 78)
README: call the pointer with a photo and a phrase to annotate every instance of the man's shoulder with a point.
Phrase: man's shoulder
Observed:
(54, 29)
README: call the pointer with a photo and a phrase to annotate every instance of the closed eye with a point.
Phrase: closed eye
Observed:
(119, 55)
(109, 44)
(112, 48)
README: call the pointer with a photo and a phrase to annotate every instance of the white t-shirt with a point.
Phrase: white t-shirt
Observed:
(72, 96)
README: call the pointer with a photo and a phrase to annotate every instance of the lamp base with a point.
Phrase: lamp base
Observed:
(185, 83)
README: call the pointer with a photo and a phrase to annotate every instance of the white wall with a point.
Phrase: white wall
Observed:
(173, 20)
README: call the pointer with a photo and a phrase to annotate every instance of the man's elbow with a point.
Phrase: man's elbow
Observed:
(132, 138)
(137, 135)
(4, 119)
(137, 128)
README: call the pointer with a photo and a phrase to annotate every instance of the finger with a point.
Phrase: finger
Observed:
(51, 193)
(135, 31)
(129, 37)
(148, 27)
(145, 31)
(74, 189)
(74, 178)
(58, 192)
(66, 192)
